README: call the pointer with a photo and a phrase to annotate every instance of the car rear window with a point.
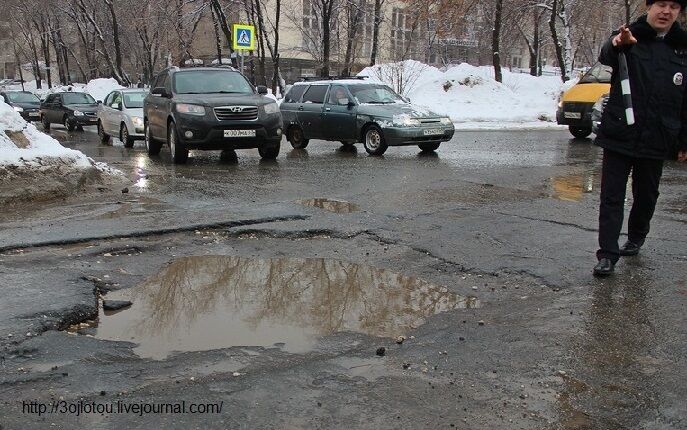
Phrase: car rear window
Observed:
(295, 93)
(315, 94)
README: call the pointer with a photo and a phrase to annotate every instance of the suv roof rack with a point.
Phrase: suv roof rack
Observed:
(330, 78)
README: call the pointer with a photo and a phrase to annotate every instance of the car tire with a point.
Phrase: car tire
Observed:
(269, 152)
(69, 125)
(429, 147)
(45, 122)
(79, 128)
(580, 132)
(296, 138)
(373, 140)
(153, 146)
(124, 136)
(176, 148)
(104, 137)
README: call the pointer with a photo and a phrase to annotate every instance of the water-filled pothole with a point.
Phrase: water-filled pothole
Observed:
(210, 302)
(331, 205)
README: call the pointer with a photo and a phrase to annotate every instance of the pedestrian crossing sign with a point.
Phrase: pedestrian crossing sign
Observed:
(243, 37)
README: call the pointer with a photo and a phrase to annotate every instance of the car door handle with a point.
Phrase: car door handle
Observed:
(300, 107)
(328, 109)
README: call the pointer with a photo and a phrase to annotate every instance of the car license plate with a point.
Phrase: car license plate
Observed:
(239, 133)
(433, 131)
(572, 115)
(35, 114)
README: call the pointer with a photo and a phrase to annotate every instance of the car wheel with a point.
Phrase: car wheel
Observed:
(580, 132)
(124, 136)
(269, 152)
(296, 138)
(79, 128)
(153, 146)
(45, 122)
(429, 147)
(179, 152)
(69, 125)
(374, 141)
(104, 137)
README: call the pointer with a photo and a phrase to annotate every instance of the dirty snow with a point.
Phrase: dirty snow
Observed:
(23, 145)
(470, 95)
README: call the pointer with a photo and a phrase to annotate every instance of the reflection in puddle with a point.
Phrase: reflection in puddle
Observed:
(331, 205)
(572, 188)
(209, 302)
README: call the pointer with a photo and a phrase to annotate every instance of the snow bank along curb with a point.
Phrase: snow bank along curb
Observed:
(469, 94)
(33, 165)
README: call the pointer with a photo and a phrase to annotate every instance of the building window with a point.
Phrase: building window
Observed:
(403, 34)
(311, 25)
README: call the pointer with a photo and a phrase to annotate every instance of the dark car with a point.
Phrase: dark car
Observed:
(24, 102)
(354, 110)
(72, 109)
(209, 108)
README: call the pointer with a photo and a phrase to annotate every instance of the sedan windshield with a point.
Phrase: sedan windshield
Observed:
(597, 74)
(211, 82)
(22, 98)
(134, 100)
(77, 99)
(375, 94)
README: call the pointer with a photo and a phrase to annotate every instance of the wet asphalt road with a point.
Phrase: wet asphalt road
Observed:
(294, 273)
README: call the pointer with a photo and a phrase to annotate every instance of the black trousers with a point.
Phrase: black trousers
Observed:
(646, 176)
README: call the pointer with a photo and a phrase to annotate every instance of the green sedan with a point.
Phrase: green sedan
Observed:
(352, 110)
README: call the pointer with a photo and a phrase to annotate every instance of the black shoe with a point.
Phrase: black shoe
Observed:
(604, 267)
(630, 248)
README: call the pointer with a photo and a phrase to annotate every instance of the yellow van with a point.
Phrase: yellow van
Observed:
(575, 105)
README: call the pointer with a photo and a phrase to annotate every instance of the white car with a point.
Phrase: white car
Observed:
(121, 115)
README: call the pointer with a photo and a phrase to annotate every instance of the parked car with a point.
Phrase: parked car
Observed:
(575, 105)
(354, 110)
(209, 108)
(72, 109)
(121, 115)
(24, 102)
(597, 111)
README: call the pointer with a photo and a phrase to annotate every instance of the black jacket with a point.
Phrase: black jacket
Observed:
(658, 79)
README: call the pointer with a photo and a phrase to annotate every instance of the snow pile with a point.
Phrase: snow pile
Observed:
(21, 144)
(470, 95)
(98, 88)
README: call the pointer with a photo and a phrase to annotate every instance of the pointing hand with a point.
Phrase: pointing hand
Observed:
(624, 38)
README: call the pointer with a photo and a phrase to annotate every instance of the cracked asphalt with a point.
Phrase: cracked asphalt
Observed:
(387, 249)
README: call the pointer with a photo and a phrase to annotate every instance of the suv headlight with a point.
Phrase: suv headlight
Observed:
(138, 121)
(271, 108)
(190, 109)
(78, 113)
(19, 109)
(405, 121)
(446, 121)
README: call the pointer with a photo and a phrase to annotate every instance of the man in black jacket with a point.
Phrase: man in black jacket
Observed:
(656, 50)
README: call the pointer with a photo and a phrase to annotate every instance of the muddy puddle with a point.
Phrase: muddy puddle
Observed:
(572, 188)
(331, 205)
(210, 302)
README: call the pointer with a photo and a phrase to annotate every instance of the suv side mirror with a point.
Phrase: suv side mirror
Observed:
(351, 104)
(99, 102)
(262, 90)
(160, 91)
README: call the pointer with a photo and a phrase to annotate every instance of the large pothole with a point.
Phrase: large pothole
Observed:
(210, 302)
